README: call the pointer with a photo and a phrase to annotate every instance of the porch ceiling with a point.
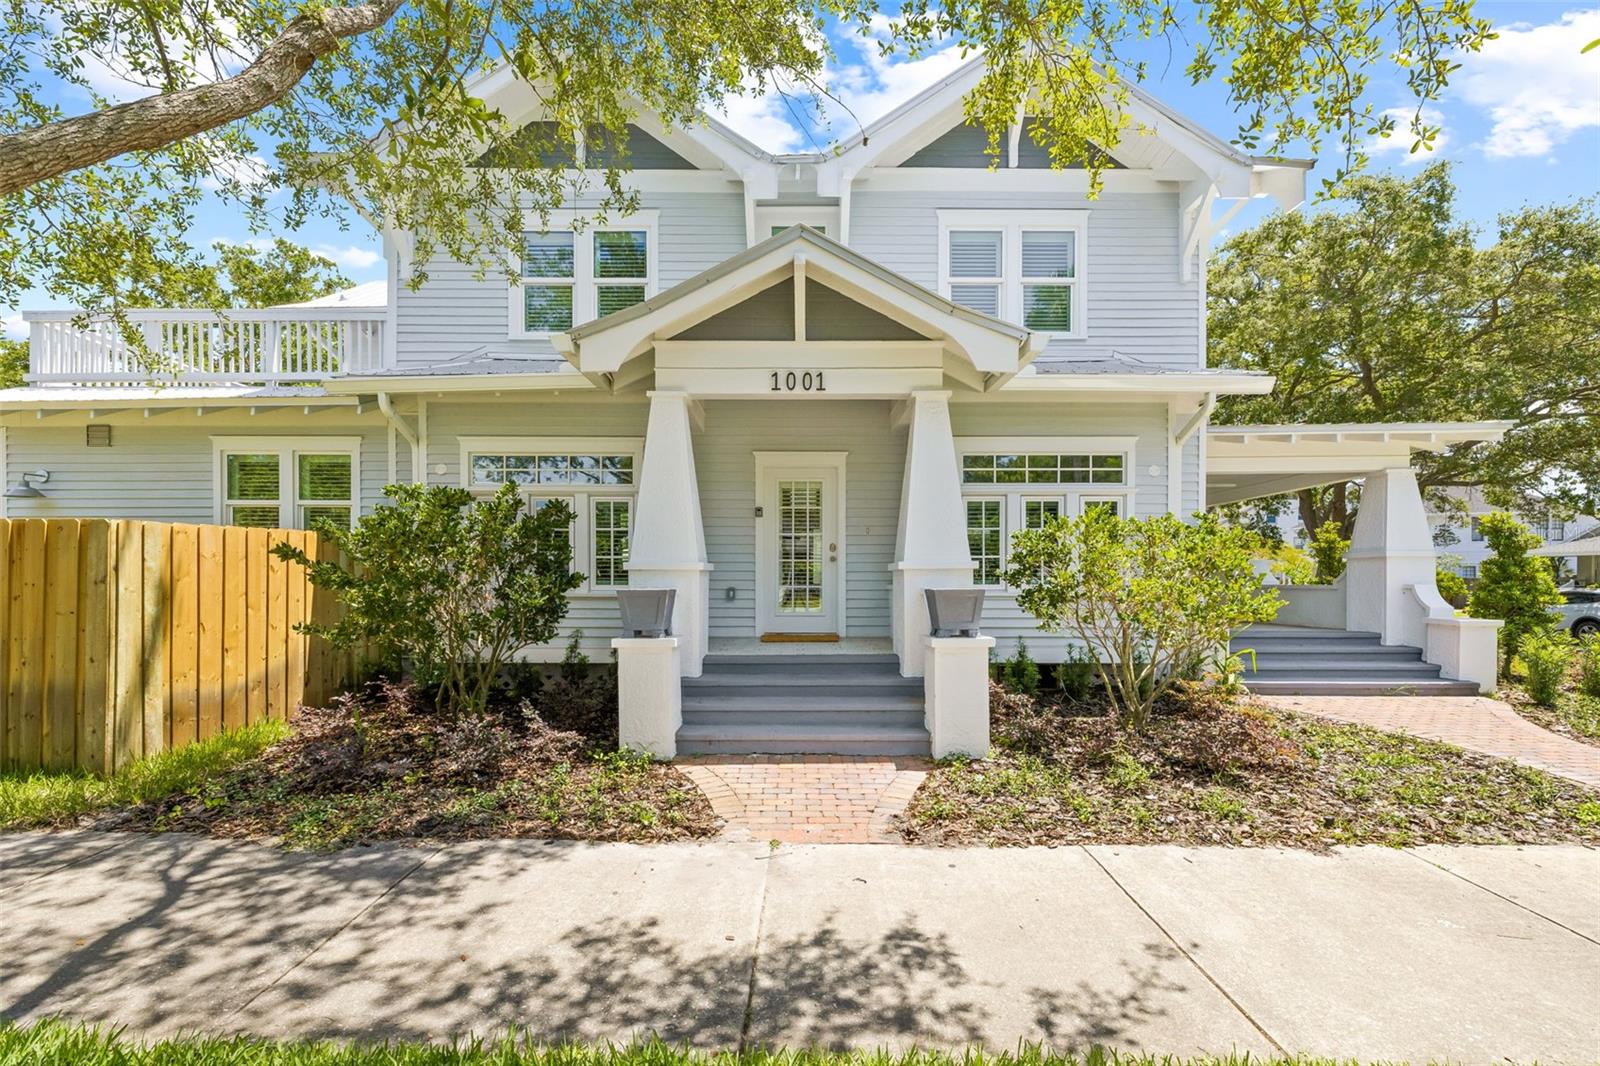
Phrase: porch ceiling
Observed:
(1249, 462)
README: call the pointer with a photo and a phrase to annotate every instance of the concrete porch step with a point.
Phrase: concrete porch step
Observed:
(895, 717)
(1345, 686)
(797, 702)
(776, 659)
(823, 680)
(1329, 650)
(809, 739)
(1344, 666)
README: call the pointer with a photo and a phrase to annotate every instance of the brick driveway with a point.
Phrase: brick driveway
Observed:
(807, 799)
(1476, 723)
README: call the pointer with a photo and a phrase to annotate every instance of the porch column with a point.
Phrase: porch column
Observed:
(931, 543)
(1389, 576)
(667, 548)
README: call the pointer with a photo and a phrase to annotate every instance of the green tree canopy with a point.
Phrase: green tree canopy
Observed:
(244, 275)
(294, 109)
(1386, 307)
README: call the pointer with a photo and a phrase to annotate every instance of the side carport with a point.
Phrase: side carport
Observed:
(1585, 551)
(1388, 587)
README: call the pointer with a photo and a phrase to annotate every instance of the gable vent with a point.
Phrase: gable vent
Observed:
(97, 436)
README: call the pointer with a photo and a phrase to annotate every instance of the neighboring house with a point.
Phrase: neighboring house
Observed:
(1466, 542)
(798, 389)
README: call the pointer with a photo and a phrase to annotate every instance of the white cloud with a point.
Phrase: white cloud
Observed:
(14, 327)
(1535, 85)
(764, 118)
(352, 256)
(1399, 142)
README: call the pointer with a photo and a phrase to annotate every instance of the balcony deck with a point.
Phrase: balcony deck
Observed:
(269, 346)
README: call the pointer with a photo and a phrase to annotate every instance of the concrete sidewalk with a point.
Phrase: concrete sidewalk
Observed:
(1466, 954)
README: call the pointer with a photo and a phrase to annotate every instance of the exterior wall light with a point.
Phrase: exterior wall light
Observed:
(24, 489)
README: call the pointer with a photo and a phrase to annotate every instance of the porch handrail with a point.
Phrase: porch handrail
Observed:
(194, 346)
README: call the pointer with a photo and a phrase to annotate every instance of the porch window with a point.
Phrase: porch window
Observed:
(1111, 504)
(1021, 266)
(551, 469)
(576, 271)
(986, 539)
(1044, 469)
(279, 483)
(1036, 514)
(611, 543)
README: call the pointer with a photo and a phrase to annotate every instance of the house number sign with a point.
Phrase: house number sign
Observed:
(798, 381)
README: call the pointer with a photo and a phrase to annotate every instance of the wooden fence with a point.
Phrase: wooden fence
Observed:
(122, 639)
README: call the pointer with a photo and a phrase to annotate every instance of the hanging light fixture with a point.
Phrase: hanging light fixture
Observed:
(24, 489)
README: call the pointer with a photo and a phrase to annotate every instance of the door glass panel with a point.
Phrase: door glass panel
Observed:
(800, 547)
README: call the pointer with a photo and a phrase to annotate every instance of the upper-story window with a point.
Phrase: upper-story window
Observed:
(1023, 266)
(568, 277)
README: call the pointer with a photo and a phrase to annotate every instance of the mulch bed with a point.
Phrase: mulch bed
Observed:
(1576, 717)
(383, 764)
(1213, 770)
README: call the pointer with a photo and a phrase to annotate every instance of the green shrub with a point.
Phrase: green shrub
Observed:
(1452, 586)
(1021, 673)
(1546, 656)
(1290, 565)
(1075, 674)
(1589, 665)
(1152, 595)
(1513, 585)
(1328, 547)
(448, 585)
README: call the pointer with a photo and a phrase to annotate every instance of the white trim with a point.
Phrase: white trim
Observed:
(1011, 224)
(585, 286)
(287, 448)
(766, 464)
(1121, 499)
(5, 480)
(1005, 526)
(821, 217)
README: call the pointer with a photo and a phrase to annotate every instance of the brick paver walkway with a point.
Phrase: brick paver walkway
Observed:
(807, 799)
(1480, 724)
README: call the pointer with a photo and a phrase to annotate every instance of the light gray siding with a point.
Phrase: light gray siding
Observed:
(1137, 306)
(967, 146)
(725, 463)
(455, 311)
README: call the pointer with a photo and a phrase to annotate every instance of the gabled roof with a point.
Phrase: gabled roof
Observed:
(990, 344)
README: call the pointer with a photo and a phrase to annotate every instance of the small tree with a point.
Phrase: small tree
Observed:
(1149, 597)
(1513, 585)
(1328, 547)
(447, 585)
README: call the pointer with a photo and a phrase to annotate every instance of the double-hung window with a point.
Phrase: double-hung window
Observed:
(286, 482)
(986, 538)
(1026, 267)
(569, 275)
(594, 477)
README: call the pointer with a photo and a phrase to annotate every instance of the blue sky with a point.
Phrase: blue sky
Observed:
(1521, 121)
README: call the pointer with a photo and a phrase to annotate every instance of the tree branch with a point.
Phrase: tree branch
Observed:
(45, 152)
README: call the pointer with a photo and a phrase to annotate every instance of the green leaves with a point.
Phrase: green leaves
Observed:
(1513, 585)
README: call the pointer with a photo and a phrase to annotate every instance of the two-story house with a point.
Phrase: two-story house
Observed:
(797, 389)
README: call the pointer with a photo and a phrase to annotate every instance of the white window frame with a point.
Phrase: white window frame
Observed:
(1085, 500)
(1005, 528)
(288, 450)
(1010, 225)
(585, 286)
(581, 498)
(818, 217)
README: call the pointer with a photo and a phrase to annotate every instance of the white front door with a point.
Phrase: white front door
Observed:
(800, 550)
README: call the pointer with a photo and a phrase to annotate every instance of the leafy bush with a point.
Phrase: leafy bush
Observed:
(1546, 656)
(1075, 674)
(1291, 566)
(447, 585)
(1020, 673)
(1513, 585)
(1589, 665)
(1452, 586)
(1328, 547)
(1149, 597)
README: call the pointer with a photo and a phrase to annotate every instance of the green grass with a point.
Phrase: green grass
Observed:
(44, 798)
(53, 1043)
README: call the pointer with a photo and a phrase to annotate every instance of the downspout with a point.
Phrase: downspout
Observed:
(404, 430)
(1196, 420)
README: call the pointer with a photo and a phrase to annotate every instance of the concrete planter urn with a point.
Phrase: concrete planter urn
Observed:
(954, 612)
(646, 612)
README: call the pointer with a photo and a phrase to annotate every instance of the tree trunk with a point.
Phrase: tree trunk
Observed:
(46, 152)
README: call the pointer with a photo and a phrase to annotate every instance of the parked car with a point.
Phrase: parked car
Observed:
(1580, 612)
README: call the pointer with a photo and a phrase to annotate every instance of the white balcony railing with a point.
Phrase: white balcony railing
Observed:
(269, 346)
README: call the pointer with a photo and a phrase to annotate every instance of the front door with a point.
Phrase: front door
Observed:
(800, 551)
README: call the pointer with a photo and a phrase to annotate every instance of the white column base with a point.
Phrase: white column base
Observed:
(1466, 649)
(910, 608)
(1391, 548)
(956, 691)
(649, 695)
(691, 620)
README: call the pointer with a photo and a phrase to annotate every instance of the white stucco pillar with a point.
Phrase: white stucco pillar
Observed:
(667, 547)
(931, 542)
(1391, 548)
(956, 695)
(649, 695)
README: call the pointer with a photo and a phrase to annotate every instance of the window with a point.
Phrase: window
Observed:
(1022, 266)
(284, 483)
(1469, 572)
(570, 276)
(1036, 514)
(822, 229)
(1042, 469)
(594, 477)
(1113, 504)
(1477, 531)
(986, 539)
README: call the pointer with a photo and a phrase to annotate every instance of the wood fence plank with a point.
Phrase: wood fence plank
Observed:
(294, 613)
(209, 588)
(258, 543)
(128, 715)
(157, 623)
(278, 635)
(60, 623)
(234, 660)
(27, 649)
(8, 721)
(96, 611)
(185, 636)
